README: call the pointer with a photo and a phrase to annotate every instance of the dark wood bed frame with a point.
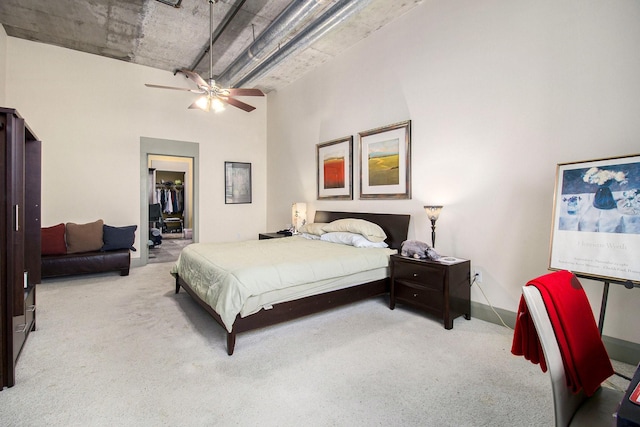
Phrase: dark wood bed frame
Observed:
(395, 226)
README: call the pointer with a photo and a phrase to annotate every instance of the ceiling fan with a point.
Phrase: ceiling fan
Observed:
(213, 96)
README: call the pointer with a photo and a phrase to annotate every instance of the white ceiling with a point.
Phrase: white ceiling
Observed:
(154, 33)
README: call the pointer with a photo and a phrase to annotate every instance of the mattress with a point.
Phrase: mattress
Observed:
(244, 277)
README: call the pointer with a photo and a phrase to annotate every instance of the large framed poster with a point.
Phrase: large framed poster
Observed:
(596, 219)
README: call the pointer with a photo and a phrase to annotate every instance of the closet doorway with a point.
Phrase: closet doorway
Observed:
(168, 172)
(170, 206)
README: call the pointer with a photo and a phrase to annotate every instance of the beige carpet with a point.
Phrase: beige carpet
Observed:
(169, 250)
(127, 351)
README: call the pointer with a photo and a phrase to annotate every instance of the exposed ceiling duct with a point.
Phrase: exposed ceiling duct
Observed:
(337, 14)
(223, 26)
(292, 16)
(171, 34)
(171, 3)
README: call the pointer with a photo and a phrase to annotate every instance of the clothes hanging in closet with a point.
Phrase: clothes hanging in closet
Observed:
(171, 200)
(168, 202)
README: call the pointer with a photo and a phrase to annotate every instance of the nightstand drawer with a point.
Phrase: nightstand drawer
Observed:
(420, 275)
(418, 296)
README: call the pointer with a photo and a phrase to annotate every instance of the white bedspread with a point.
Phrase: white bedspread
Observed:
(225, 275)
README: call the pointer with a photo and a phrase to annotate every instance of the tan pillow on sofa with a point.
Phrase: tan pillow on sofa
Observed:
(84, 237)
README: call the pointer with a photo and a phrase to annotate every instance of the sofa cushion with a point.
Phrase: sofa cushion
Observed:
(84, 237)
(53, 240)
(118, 237)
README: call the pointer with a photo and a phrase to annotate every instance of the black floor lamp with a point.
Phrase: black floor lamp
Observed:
(433, 212)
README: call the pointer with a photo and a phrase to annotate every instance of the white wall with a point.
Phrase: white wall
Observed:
(498, 92)
(90, 113)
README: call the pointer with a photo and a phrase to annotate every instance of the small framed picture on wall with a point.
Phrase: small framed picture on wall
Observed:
(237, 182)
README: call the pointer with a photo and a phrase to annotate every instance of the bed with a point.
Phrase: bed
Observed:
(303, 287)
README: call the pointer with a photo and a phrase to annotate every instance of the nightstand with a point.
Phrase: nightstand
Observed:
(434, 287)
(264, 236)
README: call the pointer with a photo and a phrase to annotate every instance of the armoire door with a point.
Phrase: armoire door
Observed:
(5, 315)
(20, 243)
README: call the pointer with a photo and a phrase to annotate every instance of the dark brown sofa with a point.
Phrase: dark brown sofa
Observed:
(86, 262)
(94, 247)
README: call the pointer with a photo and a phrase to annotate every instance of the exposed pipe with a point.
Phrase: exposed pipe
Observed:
(219, 30)
(174, 4)
(289, 18)
(341, 11)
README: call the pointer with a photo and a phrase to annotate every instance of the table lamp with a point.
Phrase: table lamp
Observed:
(298, 216)
(433, 212)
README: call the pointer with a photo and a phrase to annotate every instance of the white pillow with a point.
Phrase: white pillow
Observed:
(371, 231)
(310, 236)
(313, 228)
(351, 239)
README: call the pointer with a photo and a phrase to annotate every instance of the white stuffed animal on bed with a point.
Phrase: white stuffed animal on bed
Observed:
(419, 250)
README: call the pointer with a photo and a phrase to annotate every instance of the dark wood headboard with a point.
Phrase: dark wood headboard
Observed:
(396, 226)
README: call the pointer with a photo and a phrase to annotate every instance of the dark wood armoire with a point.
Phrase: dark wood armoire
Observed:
(20, 165)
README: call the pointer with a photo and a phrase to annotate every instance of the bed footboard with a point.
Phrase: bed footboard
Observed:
(292, 309)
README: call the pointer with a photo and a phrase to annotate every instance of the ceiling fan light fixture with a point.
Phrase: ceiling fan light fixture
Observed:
(217, 105)
(203, 103)
(213, 97)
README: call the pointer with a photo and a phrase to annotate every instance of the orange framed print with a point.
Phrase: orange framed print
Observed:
(596, 219)
(335, 169)
(385, 162)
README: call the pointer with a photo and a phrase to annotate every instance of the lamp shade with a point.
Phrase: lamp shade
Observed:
(298, 215)
(433, 212)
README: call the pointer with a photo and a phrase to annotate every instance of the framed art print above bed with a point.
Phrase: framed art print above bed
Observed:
(596, 219)
(385, 162)
(237, 182)
(334, 165)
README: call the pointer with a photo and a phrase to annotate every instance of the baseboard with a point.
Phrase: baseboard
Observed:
(486, 313)
(624, 351)
(621, 350)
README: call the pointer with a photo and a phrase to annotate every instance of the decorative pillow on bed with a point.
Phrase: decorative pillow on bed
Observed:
(84, 237)
(313, 228)
(118, 237)
(352, 239)
(53, 240)
(371, 231)
(310, 236)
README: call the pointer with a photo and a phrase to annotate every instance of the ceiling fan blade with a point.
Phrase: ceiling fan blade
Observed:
(232, 101)
(245, 92)
(195, 77)
(174, 88)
